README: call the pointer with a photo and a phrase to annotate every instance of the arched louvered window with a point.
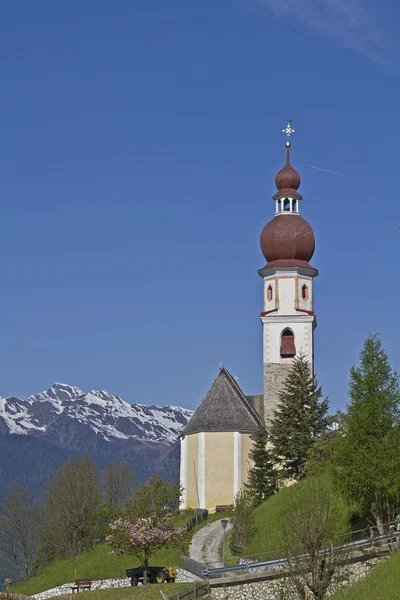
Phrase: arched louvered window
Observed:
(288, 349)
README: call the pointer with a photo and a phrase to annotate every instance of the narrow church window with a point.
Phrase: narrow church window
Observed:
(278, 204)
(286, 204)
(304, 292)
(269, 293)
(288, 349)
(294, 205)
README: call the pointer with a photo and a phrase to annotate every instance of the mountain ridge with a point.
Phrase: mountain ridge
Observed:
(39, 434)
(106, 414)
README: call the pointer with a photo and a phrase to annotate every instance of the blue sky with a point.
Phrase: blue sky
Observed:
(139, 144)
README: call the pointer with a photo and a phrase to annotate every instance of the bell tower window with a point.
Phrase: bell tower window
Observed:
(304, 292)
(288, 349)
(286, 204)
(269, 293)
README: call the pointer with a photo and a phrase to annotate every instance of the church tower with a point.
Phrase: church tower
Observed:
(288, 318)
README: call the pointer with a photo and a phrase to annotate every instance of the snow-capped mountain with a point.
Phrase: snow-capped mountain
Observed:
(62, 407)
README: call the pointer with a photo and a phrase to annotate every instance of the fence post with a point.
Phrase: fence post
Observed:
(194, 591)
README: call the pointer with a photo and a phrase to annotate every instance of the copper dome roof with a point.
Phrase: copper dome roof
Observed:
(288, 237)
(288, 177)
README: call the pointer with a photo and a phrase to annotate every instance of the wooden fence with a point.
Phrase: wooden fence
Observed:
(197, 590)
(194, 566)
(200, 515)
(8, 596)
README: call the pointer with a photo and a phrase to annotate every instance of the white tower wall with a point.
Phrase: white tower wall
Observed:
(288, 305)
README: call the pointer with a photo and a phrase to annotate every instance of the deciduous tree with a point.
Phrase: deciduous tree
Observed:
(72, 504)
(243, 526)
(118, 480)
(146, 523)
(143, 537)
(314, 521)
(20, 524)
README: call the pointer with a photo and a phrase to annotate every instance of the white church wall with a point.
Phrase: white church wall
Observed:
(183, 473)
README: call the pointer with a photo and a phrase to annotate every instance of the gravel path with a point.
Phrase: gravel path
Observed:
(182, 576)
(206, 544)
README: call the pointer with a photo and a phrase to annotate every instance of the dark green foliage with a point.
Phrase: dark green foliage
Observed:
(367, 458)
(300, 419)
(243, 523)
(262, 480)
(320, 457)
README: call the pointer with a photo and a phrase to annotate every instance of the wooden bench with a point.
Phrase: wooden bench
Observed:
(224, 507)
(81, 584)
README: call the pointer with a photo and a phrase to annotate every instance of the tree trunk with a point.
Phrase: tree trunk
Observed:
(379, 523)
(145, 571)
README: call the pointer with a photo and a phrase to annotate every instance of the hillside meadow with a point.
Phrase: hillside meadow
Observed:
(382, 583)
(99, 563)
(270, 516)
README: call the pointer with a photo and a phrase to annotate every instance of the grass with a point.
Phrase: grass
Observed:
(96, 564)
(382, 583)
(100, 564)
(268, 523)
(230, 559)
(269, 520)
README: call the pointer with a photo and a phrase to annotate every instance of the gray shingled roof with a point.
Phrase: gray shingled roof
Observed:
(225, 408)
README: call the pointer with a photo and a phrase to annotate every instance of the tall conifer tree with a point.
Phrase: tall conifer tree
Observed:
(262, 480)
(301, 417)
(367, 459)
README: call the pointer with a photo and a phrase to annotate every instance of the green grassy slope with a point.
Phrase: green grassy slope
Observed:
(97, 564)
(100, 564)
(382, 583)
(268, 522)
(269, 519)
(268, 525)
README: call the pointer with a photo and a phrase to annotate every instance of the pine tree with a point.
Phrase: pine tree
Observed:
(300, 419)
(262, 479)
(366, 460)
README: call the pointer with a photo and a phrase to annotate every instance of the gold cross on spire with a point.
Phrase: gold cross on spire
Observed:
(288, 130)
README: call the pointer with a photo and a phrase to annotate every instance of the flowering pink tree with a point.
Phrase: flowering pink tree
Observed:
(146, 525)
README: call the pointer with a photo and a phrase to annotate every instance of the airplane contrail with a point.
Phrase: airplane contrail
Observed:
(332, 172)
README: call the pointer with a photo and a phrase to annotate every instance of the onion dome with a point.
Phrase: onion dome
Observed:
(287, 180)
(288, 238)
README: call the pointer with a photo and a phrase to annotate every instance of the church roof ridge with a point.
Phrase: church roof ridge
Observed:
(224, 408)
